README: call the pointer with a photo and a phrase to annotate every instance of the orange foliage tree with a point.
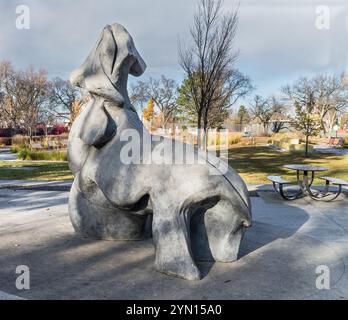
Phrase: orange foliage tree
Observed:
(148, 112)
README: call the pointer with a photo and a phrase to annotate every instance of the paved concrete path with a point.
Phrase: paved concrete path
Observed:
(325, 148)
(6, 296)
(6, 154)
(278, 257)
(36, 185)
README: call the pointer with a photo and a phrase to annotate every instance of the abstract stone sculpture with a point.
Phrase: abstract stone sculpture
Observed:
(191, 213)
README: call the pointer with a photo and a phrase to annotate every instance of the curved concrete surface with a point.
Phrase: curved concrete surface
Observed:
(278, 257)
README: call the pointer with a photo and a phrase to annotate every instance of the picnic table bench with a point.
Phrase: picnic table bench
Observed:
(278, 183)
(305, 184)
(278, 179)
(52, 144)
(36, 145)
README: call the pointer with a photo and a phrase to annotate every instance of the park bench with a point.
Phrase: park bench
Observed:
(278, 183)
(278, 179)
(52, 144)
(334, 181)
(36, 145)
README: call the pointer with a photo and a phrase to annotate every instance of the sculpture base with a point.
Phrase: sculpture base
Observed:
(106, 223)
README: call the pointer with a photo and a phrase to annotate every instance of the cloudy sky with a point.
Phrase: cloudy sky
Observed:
(278, 40)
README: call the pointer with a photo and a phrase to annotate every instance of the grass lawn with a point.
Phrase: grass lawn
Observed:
(254, 164)
(42, 170)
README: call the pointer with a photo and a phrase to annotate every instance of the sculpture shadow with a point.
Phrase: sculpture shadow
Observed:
(200, 249)
(283, 222)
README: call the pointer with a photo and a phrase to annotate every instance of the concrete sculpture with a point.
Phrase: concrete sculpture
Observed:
(190, 213)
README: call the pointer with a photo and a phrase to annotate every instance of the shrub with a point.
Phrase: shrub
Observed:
(25, 140)
(287, 135)
(234, 138)
(15, 148)
(220, 139)
(19, 139)
(46, 155)
(22, 154)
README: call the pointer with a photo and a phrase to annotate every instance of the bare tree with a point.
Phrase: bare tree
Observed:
(138, 95)
(27, 97)
(209, 62)
(63, 98)
(31, 95)
(278, 125)
(11, 110)
(163, 92)
(328, 94)
(331, 99)
(280, 117)
(23, 96)
(262, 110)
(47, 119)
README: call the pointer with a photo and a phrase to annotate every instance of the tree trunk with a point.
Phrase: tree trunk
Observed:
(332, 121)
(199, 126)
(164, 123)
(205, 138)
(205, 127)
(12, 131)
(323, 128)
(265, 128)
(306, 151)
(173, 126)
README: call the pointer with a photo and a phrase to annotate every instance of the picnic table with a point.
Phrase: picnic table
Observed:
(305, 175)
